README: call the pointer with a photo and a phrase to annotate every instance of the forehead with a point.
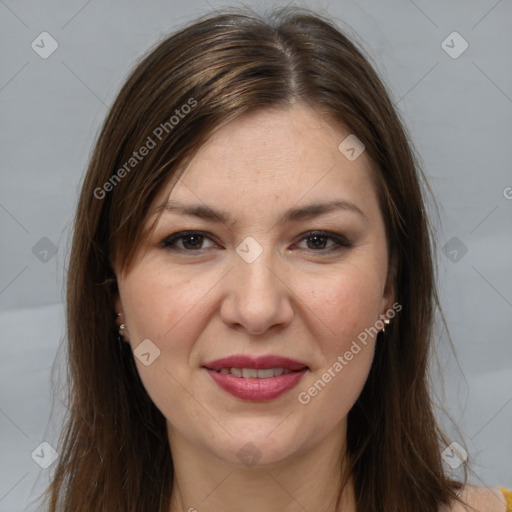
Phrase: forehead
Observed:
(271, 157)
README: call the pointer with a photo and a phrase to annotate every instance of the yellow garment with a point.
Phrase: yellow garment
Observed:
(508, 497)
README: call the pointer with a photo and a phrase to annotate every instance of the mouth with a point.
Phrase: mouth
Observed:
(256, 378)
(253, 373)
(244, 362)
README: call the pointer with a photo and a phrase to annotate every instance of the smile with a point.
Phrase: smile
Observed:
(252, 373)
(256, 378)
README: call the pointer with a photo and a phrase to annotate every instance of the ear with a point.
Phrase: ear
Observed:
(120, 318)
(115, 289)
(389, 292)
(117, 303)
(119, 310)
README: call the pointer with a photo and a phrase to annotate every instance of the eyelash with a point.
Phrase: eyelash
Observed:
(169, 243)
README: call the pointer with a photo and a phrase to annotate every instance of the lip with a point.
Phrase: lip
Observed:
(256, 390)
(258, 363)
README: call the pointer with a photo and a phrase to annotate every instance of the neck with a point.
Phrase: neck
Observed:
(307, 480)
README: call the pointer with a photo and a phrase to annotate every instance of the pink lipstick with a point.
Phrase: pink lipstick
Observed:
(256, 378)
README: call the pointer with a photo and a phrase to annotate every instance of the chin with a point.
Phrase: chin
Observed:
(259, 449)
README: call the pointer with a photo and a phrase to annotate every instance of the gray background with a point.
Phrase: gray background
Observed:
(458, 111)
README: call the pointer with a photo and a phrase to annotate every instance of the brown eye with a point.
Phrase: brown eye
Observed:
(192, 241)
(187, 241)
(317, 241)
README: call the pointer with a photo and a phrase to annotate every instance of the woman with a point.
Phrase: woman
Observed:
(252, 224)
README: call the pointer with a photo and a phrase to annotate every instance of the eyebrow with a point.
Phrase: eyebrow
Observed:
(292, 215)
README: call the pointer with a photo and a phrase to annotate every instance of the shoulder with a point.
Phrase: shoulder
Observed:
(480, 499)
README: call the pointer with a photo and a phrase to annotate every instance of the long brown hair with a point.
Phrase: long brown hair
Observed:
(114, 453)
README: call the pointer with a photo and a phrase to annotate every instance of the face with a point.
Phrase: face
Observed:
(260, 283)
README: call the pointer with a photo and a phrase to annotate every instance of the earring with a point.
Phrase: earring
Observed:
(387, 321)
(122, 328)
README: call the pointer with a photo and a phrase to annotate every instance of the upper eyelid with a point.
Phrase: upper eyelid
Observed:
(178, 235)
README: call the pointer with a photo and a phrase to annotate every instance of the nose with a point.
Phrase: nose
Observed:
(257, 297)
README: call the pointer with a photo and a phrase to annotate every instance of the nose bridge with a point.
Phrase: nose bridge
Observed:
(257, 270)
(258, 297)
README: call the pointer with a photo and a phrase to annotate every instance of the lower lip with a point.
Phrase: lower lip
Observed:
(257, 390)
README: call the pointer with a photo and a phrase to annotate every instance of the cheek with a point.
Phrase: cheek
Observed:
(159, 310)
(348, 306)
(160, 303)
(345, 302)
